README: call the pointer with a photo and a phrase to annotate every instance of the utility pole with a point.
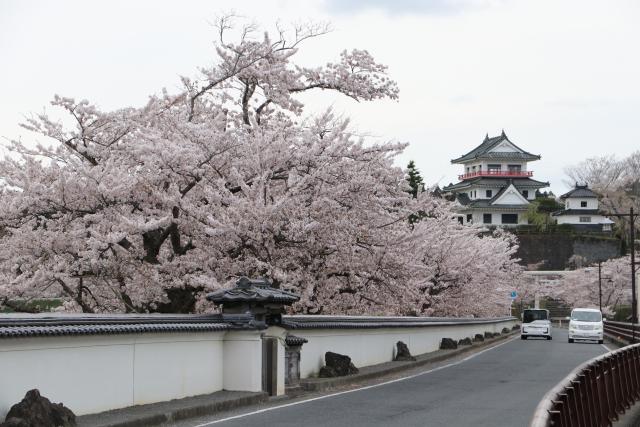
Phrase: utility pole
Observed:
(634, 302)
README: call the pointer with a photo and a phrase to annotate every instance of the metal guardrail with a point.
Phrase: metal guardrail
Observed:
(622, 331)
(593, 394)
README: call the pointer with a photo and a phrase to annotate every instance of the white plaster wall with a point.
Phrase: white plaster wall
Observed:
(504, 147)
(243, 361)
(496, 218)
(504, 165)
(91, 374)
(574, 203)
(279, 333)
(372, 346)
(511, 196)
(575, 219)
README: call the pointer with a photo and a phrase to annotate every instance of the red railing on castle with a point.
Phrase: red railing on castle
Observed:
(496, 173)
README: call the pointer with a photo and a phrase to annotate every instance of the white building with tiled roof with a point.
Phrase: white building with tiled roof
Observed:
(496, 185)
(581, 210)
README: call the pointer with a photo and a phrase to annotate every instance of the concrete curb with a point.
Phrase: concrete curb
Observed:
(174, 410)
(387, 368)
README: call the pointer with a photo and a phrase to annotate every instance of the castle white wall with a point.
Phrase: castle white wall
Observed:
(496, 218)
(575, 203)
(372, 346)
(484, 165)
(96, 373)
(575, 219)
(92, 374)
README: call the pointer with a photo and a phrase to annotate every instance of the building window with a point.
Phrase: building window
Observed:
(525, 194)
(509, 218)
(583, 204)
(460, 220)
(585, 219)
(494, 168)
(489, 194)
(486, 218)
(515, 168)
(469, 218)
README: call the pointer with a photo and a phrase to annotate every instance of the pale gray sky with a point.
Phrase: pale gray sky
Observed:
(561, 77)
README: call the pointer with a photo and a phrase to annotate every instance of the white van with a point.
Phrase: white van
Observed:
(535, 323)
(586, 324)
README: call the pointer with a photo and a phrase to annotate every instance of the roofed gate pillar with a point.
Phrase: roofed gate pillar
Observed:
(266, 305)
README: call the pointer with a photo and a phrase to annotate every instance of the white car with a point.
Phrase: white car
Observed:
(535, 323)
(586, 324)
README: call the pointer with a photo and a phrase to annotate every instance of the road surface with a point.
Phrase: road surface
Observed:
(497, 387)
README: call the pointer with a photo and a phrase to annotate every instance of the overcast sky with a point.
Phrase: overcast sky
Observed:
(561, 77)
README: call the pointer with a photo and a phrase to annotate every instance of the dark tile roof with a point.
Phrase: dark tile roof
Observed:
(486, 203)
(519, 183)
(253, 290)
(482, 151)
(581, 191)
(293, 341)
(57, 324)
(577, 212)
(463, 198)
(366, 322)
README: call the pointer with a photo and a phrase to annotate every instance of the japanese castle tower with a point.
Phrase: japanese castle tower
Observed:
(581, 210)
(495, 187)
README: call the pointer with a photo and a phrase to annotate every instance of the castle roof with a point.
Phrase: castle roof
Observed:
(465, 201)
(524, 183)
(577, 212)
(485, 151)
(581, 191)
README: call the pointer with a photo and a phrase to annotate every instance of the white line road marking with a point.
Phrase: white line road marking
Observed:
(606, 348)
(260, 411)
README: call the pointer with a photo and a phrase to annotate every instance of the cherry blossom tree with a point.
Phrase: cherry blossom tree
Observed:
(580, 287)
(148, 209)
(617, 180)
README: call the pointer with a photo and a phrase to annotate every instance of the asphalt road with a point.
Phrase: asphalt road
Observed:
(498, 387)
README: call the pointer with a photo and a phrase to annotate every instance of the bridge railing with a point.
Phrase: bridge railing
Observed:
(595, 393)
(622, 331)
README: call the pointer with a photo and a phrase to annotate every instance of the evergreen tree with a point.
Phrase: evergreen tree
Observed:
(415, 180)
(416, 184)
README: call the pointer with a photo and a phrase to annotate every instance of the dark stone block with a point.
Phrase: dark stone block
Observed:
(465, 341)
(403, 353)
(478, 338)
(337, 365)
(515, 327)
(488, 334)
(448, 344)
(38, 411)
(505, 330)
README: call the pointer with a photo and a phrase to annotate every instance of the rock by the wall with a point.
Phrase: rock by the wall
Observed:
(448, 344)
(465, 341)
(37, 411)
(337, 365)
(403, 353)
